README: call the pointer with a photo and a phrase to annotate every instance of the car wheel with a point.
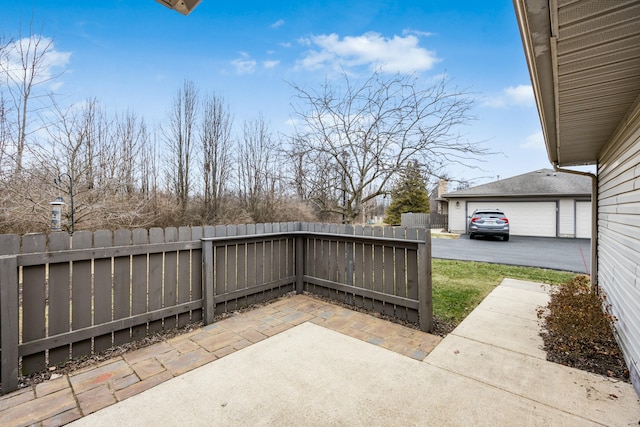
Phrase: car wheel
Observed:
(470, 236)
(505, 238)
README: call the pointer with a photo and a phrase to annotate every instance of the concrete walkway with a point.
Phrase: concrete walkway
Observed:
(302, 361)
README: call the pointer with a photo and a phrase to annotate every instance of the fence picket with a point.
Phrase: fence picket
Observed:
(122, 286)
(367, 249)
(139, 268)
(81, 293)
(184, 275)
(59, 293)
(170, 295)
(378, 269)
(400, 288)
(389, 286)
(196, 273)
(358, 266)
(9, 313)
(412, 274)
(102, 289)
(220, 269)
(34, 296)
(231, 263)
(156, 268)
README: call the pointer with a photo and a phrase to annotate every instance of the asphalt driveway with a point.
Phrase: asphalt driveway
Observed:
(553, 253)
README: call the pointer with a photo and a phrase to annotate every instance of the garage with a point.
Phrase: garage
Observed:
(525, 218)
(543, 203)
(583, 220)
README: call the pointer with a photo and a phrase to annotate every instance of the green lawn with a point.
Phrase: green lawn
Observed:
(459, 286)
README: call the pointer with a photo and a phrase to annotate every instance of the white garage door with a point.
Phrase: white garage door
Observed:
(525, 218)
(583, 220)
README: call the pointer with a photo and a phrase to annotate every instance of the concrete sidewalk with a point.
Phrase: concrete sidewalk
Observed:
(335, 366)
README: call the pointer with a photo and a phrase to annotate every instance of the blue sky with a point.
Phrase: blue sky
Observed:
(136, 54)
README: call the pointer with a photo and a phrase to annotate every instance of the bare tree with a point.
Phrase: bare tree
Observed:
(130, 136)
(26, 67)
(216, 141)
(355, 138)
(258, 170)
(6, 134)
(180, 138)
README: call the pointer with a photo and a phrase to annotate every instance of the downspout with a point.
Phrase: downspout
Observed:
(594, 223)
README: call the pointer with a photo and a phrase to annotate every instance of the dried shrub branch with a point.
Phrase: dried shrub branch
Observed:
(579, 331)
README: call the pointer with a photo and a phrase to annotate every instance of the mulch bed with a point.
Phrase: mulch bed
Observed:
(578, 331)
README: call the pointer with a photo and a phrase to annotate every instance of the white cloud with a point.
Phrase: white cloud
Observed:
(279, 23)
(396, 54)
(270, 64)
(50, 63)
(521, 95)
(534, 142)
(418, 33)
(244, 64)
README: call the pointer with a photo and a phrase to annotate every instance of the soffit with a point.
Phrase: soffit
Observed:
(584, 58)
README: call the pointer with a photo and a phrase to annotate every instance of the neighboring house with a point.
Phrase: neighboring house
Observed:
(584, 61)
(542, 203)
(437, 203)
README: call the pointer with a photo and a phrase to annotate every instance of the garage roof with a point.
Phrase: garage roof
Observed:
(584, 61)
(540, 183)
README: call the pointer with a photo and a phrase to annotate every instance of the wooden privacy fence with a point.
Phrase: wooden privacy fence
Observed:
(425, 220)
(63, 297)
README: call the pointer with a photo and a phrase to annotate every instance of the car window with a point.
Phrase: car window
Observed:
(489, 214)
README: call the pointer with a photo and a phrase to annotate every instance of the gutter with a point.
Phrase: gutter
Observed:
(594, 223)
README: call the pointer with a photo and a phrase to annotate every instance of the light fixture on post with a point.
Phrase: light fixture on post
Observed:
(58, 181)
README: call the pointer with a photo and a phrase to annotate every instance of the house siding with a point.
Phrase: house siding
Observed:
(618, 231)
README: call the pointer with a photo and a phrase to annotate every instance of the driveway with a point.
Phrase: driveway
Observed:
(553, 253)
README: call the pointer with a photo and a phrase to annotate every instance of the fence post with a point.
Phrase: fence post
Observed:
(349, 229)
(299, 263)
(424, 280)
(9, 338)
(208, 291)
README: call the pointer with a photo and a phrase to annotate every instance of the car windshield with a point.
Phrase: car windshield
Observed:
(489, 215)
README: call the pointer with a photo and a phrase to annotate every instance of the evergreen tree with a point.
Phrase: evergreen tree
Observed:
(409, 195)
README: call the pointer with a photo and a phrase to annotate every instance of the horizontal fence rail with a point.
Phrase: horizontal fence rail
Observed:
(65, 297)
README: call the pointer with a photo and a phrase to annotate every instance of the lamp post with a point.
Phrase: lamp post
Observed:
(58, 181)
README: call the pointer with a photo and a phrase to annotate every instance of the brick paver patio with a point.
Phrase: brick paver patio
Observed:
(69, 397)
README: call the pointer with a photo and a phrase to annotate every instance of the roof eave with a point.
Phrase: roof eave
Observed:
(535, 30)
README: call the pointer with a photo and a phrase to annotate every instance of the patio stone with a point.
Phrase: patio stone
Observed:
(148, 368)
(95, 399)
(51, 386)
(17, 398)
(97, 377)
(183, 344)
(63, 418)
(186, 362)
(143, 385)
(40, 409)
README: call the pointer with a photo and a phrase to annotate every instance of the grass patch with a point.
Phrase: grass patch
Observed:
(459, 286)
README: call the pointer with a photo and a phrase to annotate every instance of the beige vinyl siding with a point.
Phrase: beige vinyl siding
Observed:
(457, 216)
(619, 235)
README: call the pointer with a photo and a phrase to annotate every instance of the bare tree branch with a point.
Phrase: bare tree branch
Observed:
(355, 138)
